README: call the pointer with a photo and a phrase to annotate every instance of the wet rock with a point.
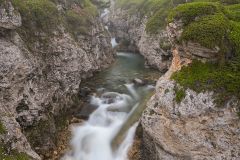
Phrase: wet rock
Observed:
(139, 82)
(84, 92)
(85, 112)
(76, 120)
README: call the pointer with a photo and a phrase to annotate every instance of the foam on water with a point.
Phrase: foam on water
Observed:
(114, 42)
(92, 140)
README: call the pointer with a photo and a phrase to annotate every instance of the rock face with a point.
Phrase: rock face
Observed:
(189, 49)
(192, 129)
(38, 83)
(129, 30)
(9, 17)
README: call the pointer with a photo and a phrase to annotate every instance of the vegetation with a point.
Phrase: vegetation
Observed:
(2, 128)
(77, 24)
(209, 31)
(38, 14)
(4, 153)
(202, 77)
(233, 12)
(211, 23)
(180, 94)
(13, 156)
(43, 16)
(189, 11)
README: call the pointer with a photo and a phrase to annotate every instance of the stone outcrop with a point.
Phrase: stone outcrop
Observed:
(38, 82)
(192, 129)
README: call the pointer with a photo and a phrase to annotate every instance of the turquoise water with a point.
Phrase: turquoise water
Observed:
(127, 67)
(115, 101)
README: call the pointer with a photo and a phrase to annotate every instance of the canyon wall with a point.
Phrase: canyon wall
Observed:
(39, 80)
(194, 127)
(129, 30)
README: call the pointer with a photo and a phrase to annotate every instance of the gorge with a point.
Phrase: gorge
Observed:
(63, 71)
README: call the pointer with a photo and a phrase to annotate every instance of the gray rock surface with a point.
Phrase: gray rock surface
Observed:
(9, 17)
(192, 129)
(39, 81)
(130, 29)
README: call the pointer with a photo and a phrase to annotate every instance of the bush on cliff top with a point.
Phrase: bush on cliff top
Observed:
(189, 11)
(209, 24)
(214, 27)
(77, 24)
(201, 77)
(159, 10)
(233, 12)
(209, 31)
(41, 14)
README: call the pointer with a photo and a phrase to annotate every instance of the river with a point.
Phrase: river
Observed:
(114, 97)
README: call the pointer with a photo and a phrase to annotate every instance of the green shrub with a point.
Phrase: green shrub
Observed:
(189, 11)
(76, 23)
(89, 7)
(230, 1)
(209, 31)
(40, 14)
(207, 76)
(157, 21)
(233, 12)
(160, 10)
(234, 36)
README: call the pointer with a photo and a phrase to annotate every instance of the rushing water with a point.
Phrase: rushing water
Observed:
(113, 41)
(115, 97)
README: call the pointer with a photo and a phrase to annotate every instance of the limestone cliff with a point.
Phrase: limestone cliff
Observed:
(195, 126)
(129, 30)
(38, 79)
(192, 129)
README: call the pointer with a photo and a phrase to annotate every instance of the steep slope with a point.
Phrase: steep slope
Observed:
(47, 48)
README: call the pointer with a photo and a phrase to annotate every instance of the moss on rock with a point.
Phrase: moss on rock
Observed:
(180, 94)
(38, 14)
(209, 31)
(190, 11)
(207, 76)
(2, 128)
(13, 155)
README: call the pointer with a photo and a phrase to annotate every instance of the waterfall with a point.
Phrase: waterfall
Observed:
(92, 140)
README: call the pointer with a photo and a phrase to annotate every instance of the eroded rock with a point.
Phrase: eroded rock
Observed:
(9, 17)
(192, 129)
